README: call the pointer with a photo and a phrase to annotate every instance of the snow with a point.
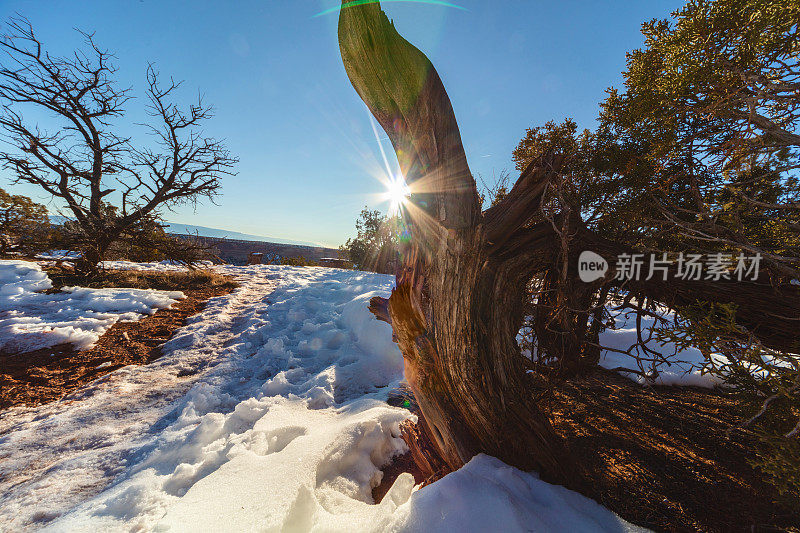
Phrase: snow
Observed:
(684, 366)
(488, 495)
(30, 319)
(161, 266)
(267, 412)
(681, 367)
(59, 255)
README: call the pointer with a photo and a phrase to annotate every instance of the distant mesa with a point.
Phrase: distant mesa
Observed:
(203, 231)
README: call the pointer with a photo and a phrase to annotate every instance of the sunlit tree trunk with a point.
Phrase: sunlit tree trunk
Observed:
(459, 300)
(461, 290)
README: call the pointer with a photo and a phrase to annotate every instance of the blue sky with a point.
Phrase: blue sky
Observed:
(287, 110)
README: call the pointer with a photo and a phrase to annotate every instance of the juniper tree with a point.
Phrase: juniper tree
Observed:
(462, 289)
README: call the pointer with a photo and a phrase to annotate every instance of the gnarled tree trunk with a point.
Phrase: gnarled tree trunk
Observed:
(458, 303)
(461, 291)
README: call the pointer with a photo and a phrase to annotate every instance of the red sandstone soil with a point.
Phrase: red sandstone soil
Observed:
(42, 376)
(660, 457)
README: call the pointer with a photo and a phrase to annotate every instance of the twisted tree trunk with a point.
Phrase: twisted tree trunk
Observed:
(462, 288)
(457, 306)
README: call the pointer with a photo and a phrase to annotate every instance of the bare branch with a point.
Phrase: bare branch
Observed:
(76, 163)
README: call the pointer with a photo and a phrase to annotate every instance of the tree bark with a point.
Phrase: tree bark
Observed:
(768, 309)
(461, 290)
(456, 309)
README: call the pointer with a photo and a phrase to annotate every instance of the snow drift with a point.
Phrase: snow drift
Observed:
(30, 319)
(160, 266)
(266, 413)
(684, 367)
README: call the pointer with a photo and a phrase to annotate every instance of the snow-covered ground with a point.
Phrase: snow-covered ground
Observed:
(676, 366)
(684, 366)
(267, 413)
(68, 257)
(58, 255)
(31, 319)
(161, 266)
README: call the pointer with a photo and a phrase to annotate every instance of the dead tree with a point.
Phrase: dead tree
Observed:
(107, 185)
(461, 291)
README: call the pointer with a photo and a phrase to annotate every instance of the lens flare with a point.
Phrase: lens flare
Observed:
(397, 192)
(354, 3)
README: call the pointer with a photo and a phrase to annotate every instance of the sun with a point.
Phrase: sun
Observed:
(397, 192)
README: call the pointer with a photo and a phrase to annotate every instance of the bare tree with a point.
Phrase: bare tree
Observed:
(84, 164)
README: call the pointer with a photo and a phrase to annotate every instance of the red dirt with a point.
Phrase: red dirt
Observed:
(664, 458)
(659, 457)
(45, 375)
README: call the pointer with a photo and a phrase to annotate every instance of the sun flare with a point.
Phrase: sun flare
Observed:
(397, 192)
(354, 3)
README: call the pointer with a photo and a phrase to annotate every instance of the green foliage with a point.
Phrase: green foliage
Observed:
(721, 72)
(552, 137)
(708, 124)
(375, 246)
(299, 261)
(779, 458)
(24, 224)
(492, 194)
(708, 121)
(596, 174)
(699, 152)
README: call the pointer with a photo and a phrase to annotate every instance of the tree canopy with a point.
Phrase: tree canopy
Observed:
(375, 245)
(23, 223)
(699, 150)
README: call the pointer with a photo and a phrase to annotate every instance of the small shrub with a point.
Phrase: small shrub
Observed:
(298, 261)
(24, 225)
(140, 279)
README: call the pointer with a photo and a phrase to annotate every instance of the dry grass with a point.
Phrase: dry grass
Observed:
(136, 279)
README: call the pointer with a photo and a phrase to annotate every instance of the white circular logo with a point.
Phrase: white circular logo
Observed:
(591, 266)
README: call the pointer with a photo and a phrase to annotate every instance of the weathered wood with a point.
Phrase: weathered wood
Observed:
(455, 311)
(404, 93)
(523, 200)
(461, 291)
(768, 309)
